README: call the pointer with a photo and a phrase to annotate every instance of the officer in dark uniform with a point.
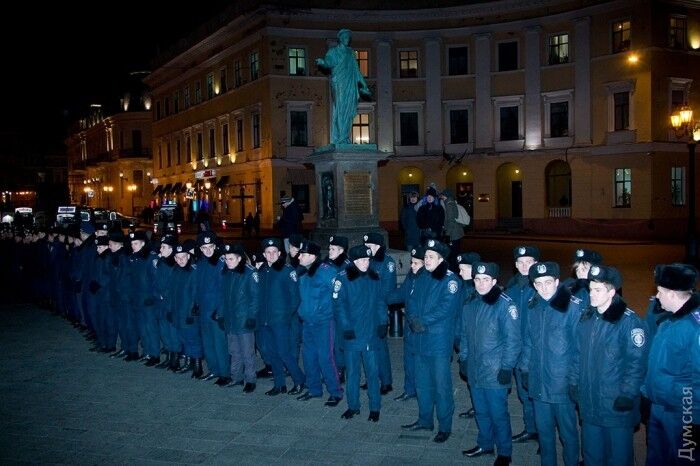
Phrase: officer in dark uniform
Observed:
(583, 260)
(465, 261)
(673, 378)
(433, 321)
(164, 266)
(183, 312)
(142, 316)
(98, 287)
(549, 349)
(490, 344)
(361, 310)
(607, 379)
(295, 240)
(338, 259)
(521, 291)
(117, 297)
(385, 267)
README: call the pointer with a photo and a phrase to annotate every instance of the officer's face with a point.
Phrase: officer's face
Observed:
(181, 258)
(373, 247)
(362, 264)
(413, 199)
(232, 260)
(483, 283)
(601, 296)
(165, 250)
(271, 254)
(101, 233)
(101, 249)
(416, 264)
(306, 259)
(669, 299)
(207, 249)
(582, 269)
(137, 245)
(465, 271)
(430, 198)
(546, 286)
(114, 246)
(432, 260)
(293, 250)
(524, 263)
(334, 251)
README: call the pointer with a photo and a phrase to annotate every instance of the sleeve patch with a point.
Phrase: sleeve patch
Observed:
(390, 266)
(336, 286)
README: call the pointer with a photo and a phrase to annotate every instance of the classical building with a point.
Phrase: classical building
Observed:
(109, 156)
(547, 115)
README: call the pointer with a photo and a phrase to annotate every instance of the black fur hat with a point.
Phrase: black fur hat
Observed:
(679, 277)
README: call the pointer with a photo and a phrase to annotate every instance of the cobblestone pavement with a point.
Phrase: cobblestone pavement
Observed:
(63, 404)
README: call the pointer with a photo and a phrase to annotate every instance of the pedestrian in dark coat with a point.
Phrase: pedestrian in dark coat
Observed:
(409, 222)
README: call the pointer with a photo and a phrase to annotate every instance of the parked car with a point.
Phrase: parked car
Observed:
(166, 219)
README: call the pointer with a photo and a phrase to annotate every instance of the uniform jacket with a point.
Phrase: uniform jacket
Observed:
(208, 273)
(118, 278)
(385, 267)
(182, 292)
(611, 362)
(164, 267)
(549, 345)
(240, 297)
(406, 295)
(279, 294)
(315, 289)
(340, 263)
(141, 278)
(490, 338)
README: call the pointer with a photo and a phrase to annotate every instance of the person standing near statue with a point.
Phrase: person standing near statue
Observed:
(345, 78)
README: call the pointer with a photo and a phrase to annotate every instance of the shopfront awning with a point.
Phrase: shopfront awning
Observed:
(223, 181)
(167, 188)
(158, 189)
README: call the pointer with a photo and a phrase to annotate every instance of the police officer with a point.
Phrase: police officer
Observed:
(404, 295)
(465, 261)
(164, 265)
(521, 291)
(117, 297)
(338, 259)
(97, 287)
(385, 267)
(673, 378)
(490, 344)
(583, 260)
(549, 350)
(433, 321)
(316, 312)
(142, 320)
(361, 310)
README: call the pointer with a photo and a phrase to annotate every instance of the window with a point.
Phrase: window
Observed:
(620, 36)
(623, 187)
(360, 129)
(178, 151)
(558, 49)
(254, 66)
(677, 99)
(677, 32)
(210, 86)
(136, 141)
(224, 138)
(200, 147)
(188, 150)
(256, 130)
(237, 76)
(408, 63)
(167, 155)
(223, 87)
(197, 92)
(160, 157)
(176, 101)
(409, 128)
(508, 56)
(298, 128)
(166, 101)
(622, 110)
(158, 110)
(186, 97)
(459, 126)
(239, 135)
(509, 123)
(458, 60)
(297, 61)
(363, 61)
(677, 186)
(559, 119)
(212, 142)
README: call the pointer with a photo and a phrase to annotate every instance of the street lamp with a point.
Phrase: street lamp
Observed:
(132, 189)
(685, 127)
(108, 190)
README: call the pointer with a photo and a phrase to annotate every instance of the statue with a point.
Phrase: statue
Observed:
(345, 79)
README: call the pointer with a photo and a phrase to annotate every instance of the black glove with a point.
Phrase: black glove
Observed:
(349, 334)
(221, 324)
(623, 404)
(148, 302)
(645, 409)
(382, 330)
(189, 320)
(463, 370)
(195, 310)
(504, 376)
(213, 316)
(525, 380)
(416, 326)
(77, 285)
(169, 317)
(250, 324)
(94, 287)
(573, 393)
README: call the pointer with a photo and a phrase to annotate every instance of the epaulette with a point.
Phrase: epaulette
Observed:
(506, 297)
(576, 300)
(696, 316)
(194, 266)
(629, 312)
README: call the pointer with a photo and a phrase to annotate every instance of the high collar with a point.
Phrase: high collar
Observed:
(240, 268)
(687, 308)
(379, 256)
(354, 273)
(294, 261)
(492, 296)
(278, 264)
(579, 284)
(169, 261)
(311, 270)
(440, 271)
(561, 299)
(615, 311)
(521, 281)
(339, 261)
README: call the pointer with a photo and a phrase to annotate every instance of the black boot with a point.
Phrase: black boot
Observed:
(265, 372)
(166, 361)
(186, 365)
(174, 362)
(197, 370)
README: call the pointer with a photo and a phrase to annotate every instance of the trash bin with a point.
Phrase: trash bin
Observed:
(396, 322)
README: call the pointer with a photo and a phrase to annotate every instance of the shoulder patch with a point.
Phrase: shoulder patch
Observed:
(293, 275)
(452, 286)
(638, 337)
(513, 311)
(390, 266)
(336, 286)
(506, 297)
(696, 316)
(256, 277)
(575, 300)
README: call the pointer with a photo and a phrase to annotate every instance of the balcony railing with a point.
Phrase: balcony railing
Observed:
(559, 212)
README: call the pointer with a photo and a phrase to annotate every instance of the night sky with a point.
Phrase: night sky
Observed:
(84, 54)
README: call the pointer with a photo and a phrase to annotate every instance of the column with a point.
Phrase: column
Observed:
(533, 87)
(582, 81)
(483, 131)
(433, 96)
(384, 111)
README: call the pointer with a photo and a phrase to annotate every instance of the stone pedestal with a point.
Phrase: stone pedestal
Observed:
(346, 184)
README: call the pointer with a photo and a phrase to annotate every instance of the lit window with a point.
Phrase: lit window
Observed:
(677, 32)
(678, 186)
(363, 61)
(558, 49)
(623, 187)
(360, 129)
(408, 63)
(297, 62)
(620, 36)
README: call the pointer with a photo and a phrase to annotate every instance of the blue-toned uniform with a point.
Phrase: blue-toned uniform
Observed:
(182, 291)
(385, 266)
(316, 312)
(142, 319)
(611, 363)
(340, 263)
(673, 385)
(117, 320)
(359, 304)
(549, 349)
(208, 297)
(98, 288)
(164, 267)
(490, 342)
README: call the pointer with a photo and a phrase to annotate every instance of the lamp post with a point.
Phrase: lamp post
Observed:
(685, 127)
(132, 189)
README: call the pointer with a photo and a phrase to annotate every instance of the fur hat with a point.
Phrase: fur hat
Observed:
(418, 253)
(374, 237)
(526, 251)
(102, 241)
(359, 252)
(170, 240)
(295, 239)
(116, 237)
(310, 247)
(189, 244)
(206, 237)
(271, 242)
(431, 191)
(340, 241)
(588, 255)
(437, 246)
(544, 269)
(603, 274)
(235, 248)
(138, 235)
(469, 258)
(87, 228)
(486, 268)
(679, 277)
